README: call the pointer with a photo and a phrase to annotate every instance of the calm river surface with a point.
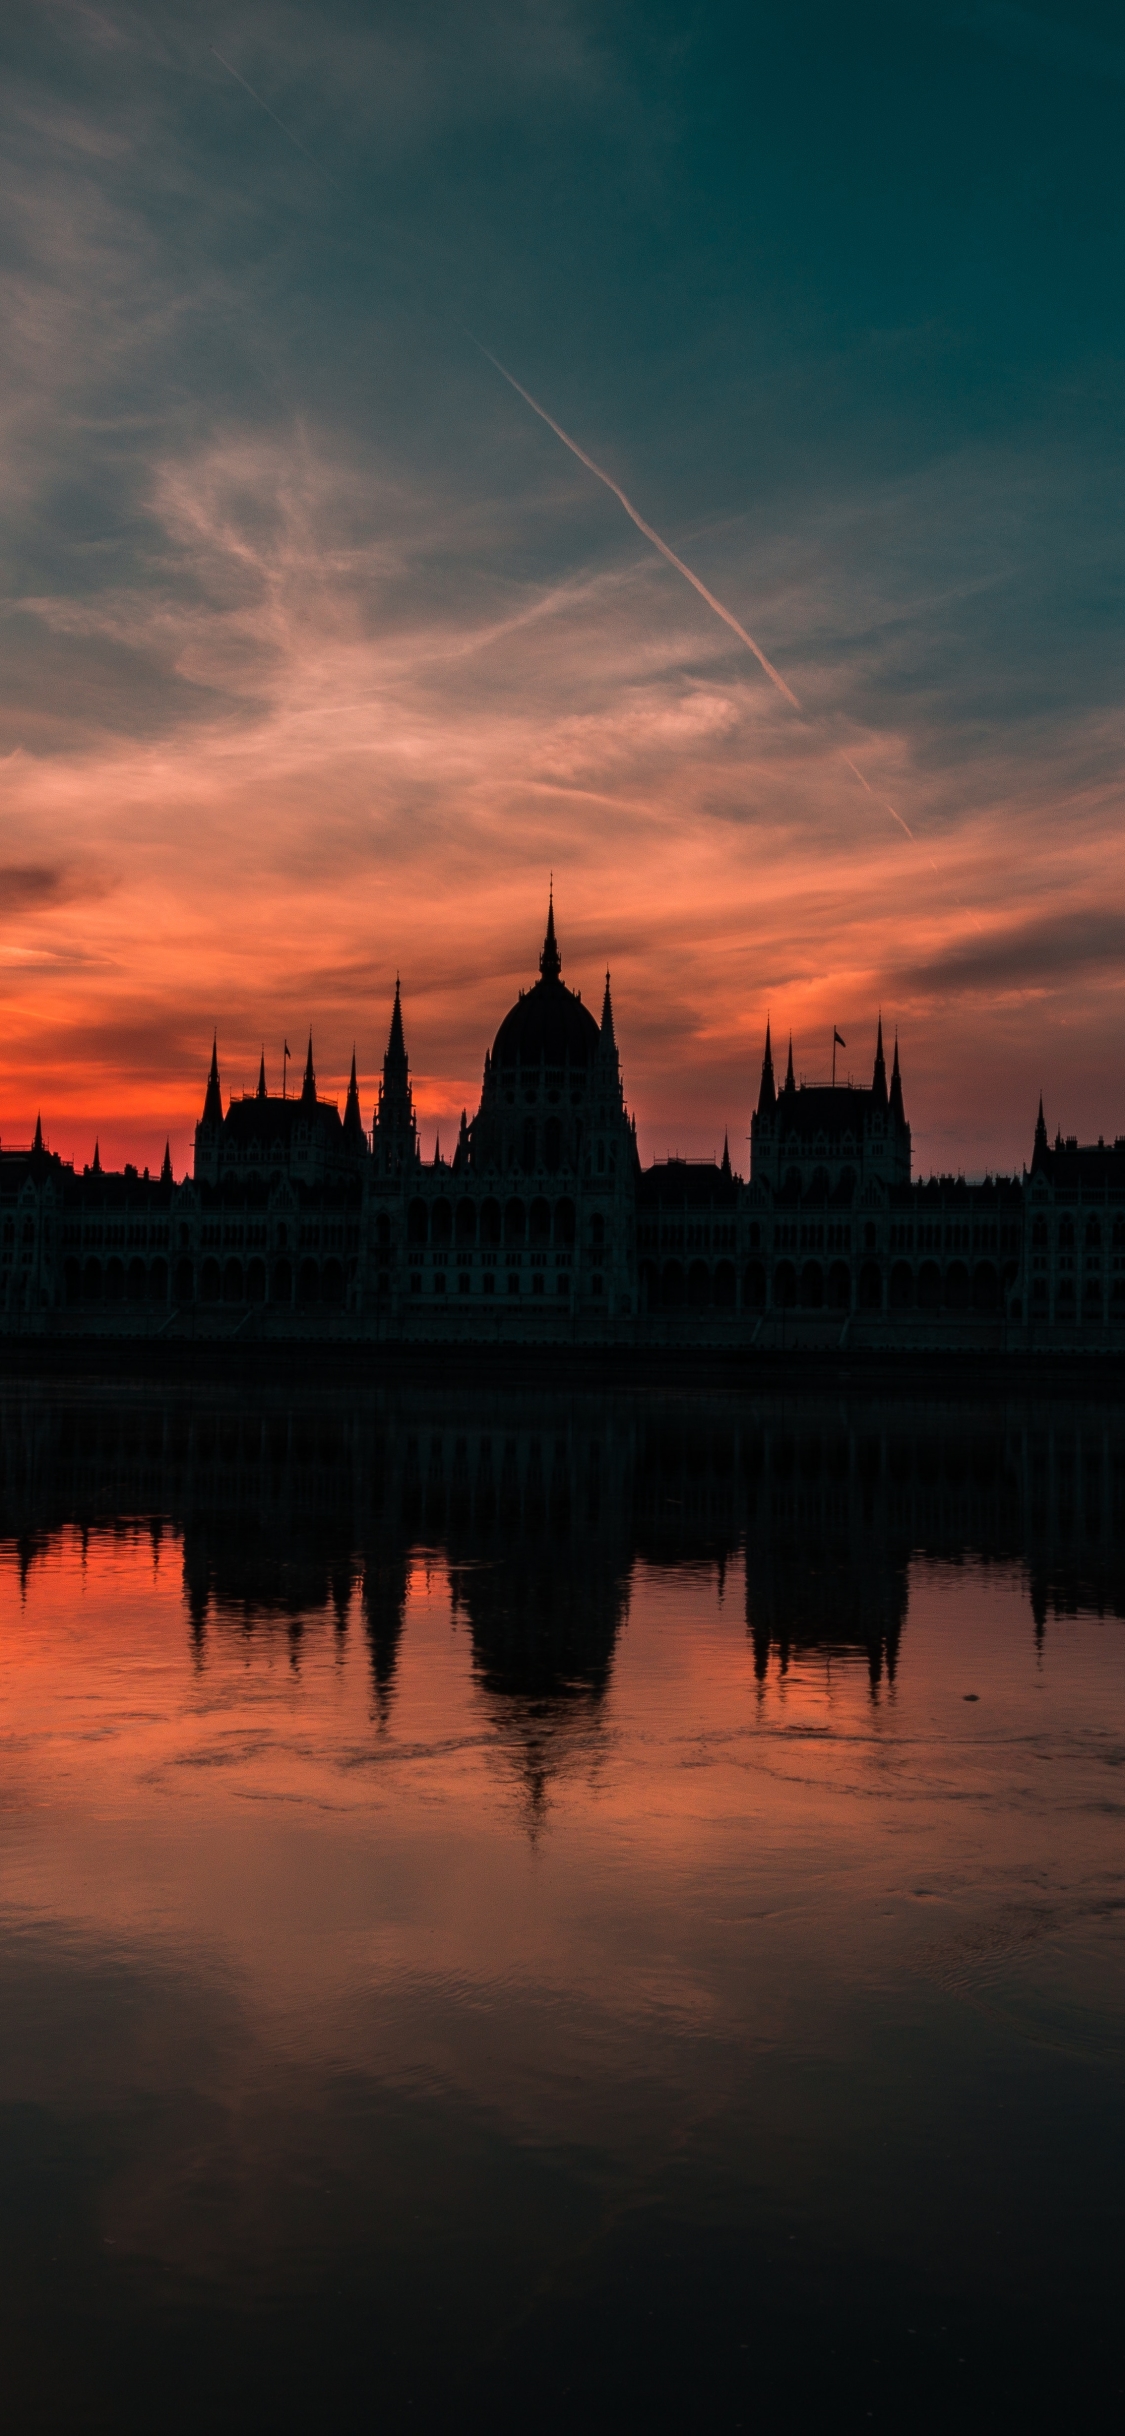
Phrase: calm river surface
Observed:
(560, 1911)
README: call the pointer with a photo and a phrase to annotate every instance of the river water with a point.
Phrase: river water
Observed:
(560, 1910)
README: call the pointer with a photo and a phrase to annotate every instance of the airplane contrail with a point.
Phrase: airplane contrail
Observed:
(592, 466)
(887, 806)
(287, 132)
(726, 615)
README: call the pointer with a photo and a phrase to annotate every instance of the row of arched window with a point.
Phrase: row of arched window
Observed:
(231, 1281)
(490, 1223)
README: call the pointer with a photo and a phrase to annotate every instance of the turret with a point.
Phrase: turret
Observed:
(308, 1087)
(353, 1117)
(1041, 1153)
(879, 1077)
(395, 1140)
(262, 1077)
(213, 1100)
(767, 1096)
(897, 1110)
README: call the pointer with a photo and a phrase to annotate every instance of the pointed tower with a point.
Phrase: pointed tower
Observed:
(308, 1087)
(209, 1131)
(725, 1166)
(767, 1096)
(897, 1110)
(38, 1142)
(262, 1077)
(463, 1152)
(879, 1077)
(97, 1166)
(550, 962)
(166, 1168)
(790, 1080)
(395, 1136)
(213, 1100)
(354, 1134)
(1040, 1156)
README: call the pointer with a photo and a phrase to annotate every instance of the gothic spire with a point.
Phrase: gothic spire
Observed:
(213, 1102)
(897, 1109)
(1040, 1153)
(608, 1035)
(353, 1119)
(38, 1142)
(879, 1078)
(166, 1169)
(767, 1096)
(308, 1088)
(550, 962)
(462, 1152)
(97, 1166)
(262, 1077)
(790, 1082)
(724, 1169)
(394, 1063)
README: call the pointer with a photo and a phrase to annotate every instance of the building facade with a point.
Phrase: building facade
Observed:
(298, 1221)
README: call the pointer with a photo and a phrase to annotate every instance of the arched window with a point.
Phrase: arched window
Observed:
(986, 1287)
(839, 1287)
(232, 1282)
(530, 1145)
(539, 1222)
(597, 1229)
(699, 1285)
(754, 1287)
(812, 1286)
(515, 1222)
(466, 1222)
(819, 1188)
(901, 1287)
(1066, 1234)
(784, 1286)
(564, 1222)
(1093, 1235)
(490, 1223)
(417, 1222)
(441, 1223)
(552, 1146)
(870, 1287)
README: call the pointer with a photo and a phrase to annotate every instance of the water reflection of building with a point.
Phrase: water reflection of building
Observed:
(296, 1514)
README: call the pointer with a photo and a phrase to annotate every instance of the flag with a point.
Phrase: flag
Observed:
(288, 1050)
(838, 1039)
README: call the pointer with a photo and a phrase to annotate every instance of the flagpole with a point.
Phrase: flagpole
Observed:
(833, 1057)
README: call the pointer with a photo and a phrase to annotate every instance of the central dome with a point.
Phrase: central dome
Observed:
(548, 1025)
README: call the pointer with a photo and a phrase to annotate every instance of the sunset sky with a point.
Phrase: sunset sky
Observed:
(320, 651)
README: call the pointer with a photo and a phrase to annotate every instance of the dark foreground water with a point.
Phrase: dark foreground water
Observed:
(553, 1912)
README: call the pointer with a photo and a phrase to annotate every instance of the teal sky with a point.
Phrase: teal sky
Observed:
(320, 651)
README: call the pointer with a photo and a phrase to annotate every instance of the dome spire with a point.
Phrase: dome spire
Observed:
(550, 962)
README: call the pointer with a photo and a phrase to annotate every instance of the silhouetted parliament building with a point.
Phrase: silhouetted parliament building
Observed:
(543, 1226)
